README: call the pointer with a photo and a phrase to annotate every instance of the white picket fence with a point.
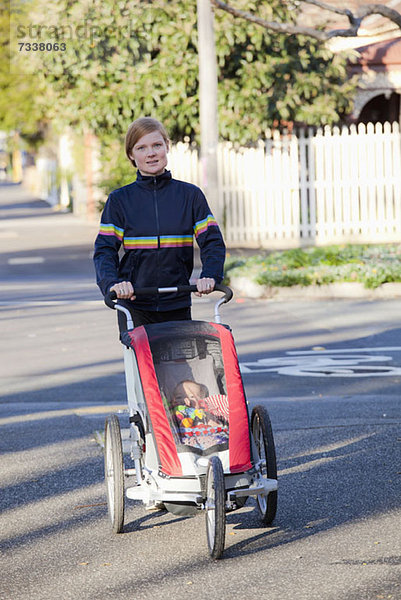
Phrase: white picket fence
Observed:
(307, 188)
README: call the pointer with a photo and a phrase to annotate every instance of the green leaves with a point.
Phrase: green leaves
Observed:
(371, 265)
(139, 57)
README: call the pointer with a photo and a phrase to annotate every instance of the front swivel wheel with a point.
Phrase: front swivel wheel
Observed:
(114, 472)
(215, 507)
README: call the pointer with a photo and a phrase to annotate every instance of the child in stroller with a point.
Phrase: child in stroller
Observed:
(200, 424)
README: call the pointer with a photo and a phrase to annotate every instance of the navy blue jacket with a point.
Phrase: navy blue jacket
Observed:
(155, 219)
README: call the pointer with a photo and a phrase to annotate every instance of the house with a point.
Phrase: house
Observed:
(378, 58)
(379, 70)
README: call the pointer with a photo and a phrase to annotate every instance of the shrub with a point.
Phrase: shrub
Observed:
(371, 265)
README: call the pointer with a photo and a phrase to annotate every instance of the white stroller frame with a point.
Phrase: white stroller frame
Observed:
(210, 487)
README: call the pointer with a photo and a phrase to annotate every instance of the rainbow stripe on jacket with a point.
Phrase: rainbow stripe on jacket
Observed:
(140, 243)
(175, 241)
(166, 241)
(110, 229)
(202, 226)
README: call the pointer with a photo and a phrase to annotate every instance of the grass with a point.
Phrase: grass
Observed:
(369, 264)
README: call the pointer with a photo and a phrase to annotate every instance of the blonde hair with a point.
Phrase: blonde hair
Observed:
(138, 129)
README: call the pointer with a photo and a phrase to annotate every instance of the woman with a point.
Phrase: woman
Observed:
(155, 218)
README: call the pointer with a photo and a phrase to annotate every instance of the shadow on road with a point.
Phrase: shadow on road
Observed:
(341, 477)
(328, 477)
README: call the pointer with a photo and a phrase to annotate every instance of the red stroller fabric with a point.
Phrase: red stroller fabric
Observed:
(142, 340)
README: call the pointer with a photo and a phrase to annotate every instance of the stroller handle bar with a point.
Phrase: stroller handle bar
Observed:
(110, 297)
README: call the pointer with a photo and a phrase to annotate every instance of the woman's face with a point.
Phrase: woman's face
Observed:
(150, 154)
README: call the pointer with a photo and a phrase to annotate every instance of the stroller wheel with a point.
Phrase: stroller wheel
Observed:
(114, 472)
(215, 507)
(263, 437)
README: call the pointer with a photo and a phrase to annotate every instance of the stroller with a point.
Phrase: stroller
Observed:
(192, 444)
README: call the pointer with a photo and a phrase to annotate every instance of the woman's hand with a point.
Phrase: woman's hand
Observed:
(124, 290)
(205, 286)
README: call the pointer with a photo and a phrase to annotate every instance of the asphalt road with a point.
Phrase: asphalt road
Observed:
(327, 371)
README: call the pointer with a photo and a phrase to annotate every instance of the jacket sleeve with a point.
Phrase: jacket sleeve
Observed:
(107, 245)
(209, 239)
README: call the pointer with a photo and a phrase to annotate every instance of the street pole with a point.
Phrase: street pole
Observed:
(208, 107)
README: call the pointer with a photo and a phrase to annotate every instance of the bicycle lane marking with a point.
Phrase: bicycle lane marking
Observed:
(347, 362)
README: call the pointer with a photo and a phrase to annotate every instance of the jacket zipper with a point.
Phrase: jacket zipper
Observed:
(156, 212)
(158, 233)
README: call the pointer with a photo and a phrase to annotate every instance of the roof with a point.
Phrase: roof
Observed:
(385, 54)
(313, 16)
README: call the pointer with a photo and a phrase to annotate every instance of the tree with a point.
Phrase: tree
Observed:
(268, 78)
(123, 59)
(135, 57)
(355, 19)
(140, 57)
(21, 106)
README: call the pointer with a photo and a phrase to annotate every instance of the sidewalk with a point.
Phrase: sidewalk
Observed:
(245, 287)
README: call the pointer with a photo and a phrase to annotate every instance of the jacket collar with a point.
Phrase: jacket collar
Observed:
(150, 180)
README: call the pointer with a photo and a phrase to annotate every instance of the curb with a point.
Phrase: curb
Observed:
(245, 287)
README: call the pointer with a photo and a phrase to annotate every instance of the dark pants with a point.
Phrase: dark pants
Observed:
(144, 317)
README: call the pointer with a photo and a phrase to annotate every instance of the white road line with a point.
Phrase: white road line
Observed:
(48, 302)
(40, 286)
(343, 350)
(26, 260)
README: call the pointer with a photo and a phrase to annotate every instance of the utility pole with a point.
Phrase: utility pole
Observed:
(208, 107)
